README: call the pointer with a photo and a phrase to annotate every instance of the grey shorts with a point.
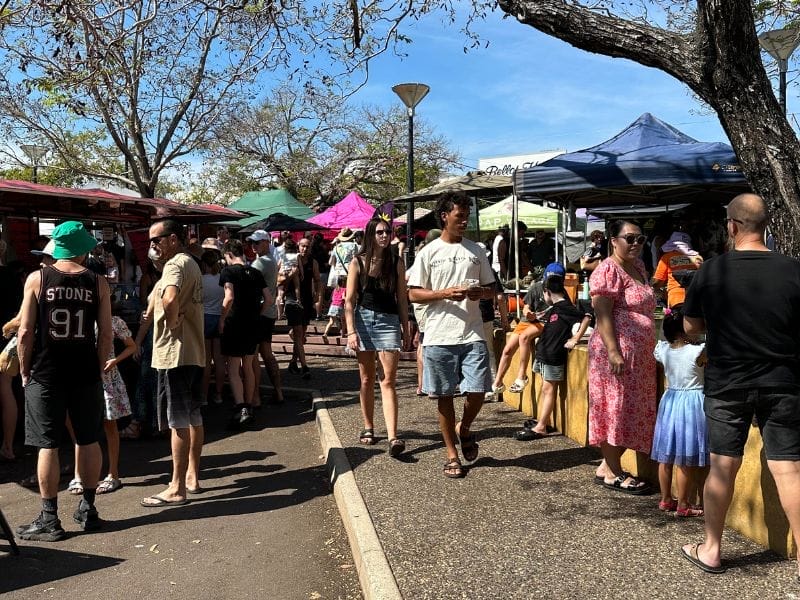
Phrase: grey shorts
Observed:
(549, 372)
(47, 407)
(180, 396)
(729, 416)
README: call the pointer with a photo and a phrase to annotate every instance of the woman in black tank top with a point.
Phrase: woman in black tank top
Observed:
(376, 309)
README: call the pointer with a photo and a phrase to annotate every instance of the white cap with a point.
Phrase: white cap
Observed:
(259, 235)
(48, 249)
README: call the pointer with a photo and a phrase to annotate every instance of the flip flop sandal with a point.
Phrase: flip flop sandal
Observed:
(367, 437)
(75, 487)
(469, 447)
(453, 469)
(531, 423)
(396, 447)
(526, 435)
(693, 558)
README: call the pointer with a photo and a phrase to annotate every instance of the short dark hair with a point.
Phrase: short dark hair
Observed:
(234, 247)
(447, 202)
(171, 226)
(554, 284)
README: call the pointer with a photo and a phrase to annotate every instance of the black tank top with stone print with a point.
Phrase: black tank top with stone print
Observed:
(65, 348)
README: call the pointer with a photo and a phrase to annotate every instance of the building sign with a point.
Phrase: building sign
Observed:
(505, 165)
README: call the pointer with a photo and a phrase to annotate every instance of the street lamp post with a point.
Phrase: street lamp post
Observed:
(779, 44)
(411, 94)
(35, 152)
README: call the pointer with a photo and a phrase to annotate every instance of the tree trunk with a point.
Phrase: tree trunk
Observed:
(721, 62)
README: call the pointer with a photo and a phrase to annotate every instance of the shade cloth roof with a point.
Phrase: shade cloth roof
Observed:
(351, 211)
(533, 215)
(23, 198)
(476, 184)
(281, 222)
(419, 213)
(263, 203)
(649, 161)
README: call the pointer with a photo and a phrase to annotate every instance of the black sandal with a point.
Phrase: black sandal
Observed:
(469, 447)
(453, 465)
(366, 437)
(635, 487)
(396, 447)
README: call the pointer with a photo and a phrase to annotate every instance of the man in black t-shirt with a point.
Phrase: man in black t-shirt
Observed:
(246, 296)
(751, 372)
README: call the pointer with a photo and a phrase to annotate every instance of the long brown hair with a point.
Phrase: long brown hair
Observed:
(388, 277)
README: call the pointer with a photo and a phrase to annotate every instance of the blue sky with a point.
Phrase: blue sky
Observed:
(528, 92)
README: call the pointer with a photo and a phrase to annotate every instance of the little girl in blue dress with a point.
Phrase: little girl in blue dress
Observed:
(681, 434)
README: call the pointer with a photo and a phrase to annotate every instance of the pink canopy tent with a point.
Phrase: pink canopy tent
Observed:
(351, 211)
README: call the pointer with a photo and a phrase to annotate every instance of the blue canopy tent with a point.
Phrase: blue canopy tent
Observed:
(649, 162)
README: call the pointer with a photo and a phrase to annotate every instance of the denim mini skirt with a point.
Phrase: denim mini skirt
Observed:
(377, 330)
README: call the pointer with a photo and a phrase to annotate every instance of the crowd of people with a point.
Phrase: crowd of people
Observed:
(211, 310)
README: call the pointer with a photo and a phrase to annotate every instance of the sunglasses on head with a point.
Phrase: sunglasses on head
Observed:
(633, 238)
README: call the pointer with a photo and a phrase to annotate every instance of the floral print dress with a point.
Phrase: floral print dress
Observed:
(116, 394)
(622, 408)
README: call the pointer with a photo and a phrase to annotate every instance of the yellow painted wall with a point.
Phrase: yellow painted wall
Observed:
(755, 511)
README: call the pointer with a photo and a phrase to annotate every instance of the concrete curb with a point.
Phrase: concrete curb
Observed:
(374, 573)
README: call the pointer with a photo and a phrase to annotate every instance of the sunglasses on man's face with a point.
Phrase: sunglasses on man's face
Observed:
(633, 238)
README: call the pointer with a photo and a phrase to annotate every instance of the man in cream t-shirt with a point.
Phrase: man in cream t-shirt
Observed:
(450, 275)
(179, 358)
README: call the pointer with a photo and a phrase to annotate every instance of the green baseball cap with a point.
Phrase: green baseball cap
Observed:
(71, 239)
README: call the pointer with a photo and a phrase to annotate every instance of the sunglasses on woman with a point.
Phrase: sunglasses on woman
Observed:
(632, 238)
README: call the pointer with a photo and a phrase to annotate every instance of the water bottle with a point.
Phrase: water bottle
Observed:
(584, 295)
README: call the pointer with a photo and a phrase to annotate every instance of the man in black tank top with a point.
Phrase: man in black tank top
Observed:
(60, 362)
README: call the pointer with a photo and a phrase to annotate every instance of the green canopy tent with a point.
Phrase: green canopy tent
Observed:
(264, 203)
(534, 216)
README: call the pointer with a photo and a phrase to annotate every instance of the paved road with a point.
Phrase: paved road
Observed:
(267, 526)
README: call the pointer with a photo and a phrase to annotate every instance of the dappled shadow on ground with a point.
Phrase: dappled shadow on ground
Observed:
(261, 488)
(39, 565)
(151, 456)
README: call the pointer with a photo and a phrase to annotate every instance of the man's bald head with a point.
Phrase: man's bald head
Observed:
(749, 212)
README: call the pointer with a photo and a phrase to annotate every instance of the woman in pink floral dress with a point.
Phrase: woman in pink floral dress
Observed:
(622, 369)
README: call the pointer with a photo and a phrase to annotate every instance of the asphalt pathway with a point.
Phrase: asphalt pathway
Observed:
(528, 520)
(266, 527)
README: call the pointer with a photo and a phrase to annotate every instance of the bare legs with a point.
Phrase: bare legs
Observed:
(787, 480)
(8, 404)
(548, 401)
(717, 497)
(298, 339)
(447, 420)
(112, 442)
(214, 353)
(239, 367)
(525, 350)
(367, 370)
(271, 366)
(505, 359)
(196, 438)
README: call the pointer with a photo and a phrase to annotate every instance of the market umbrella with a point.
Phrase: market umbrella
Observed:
(476, 184)
(281, 222)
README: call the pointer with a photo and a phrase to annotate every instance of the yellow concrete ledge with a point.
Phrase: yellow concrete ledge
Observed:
(755, 511)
